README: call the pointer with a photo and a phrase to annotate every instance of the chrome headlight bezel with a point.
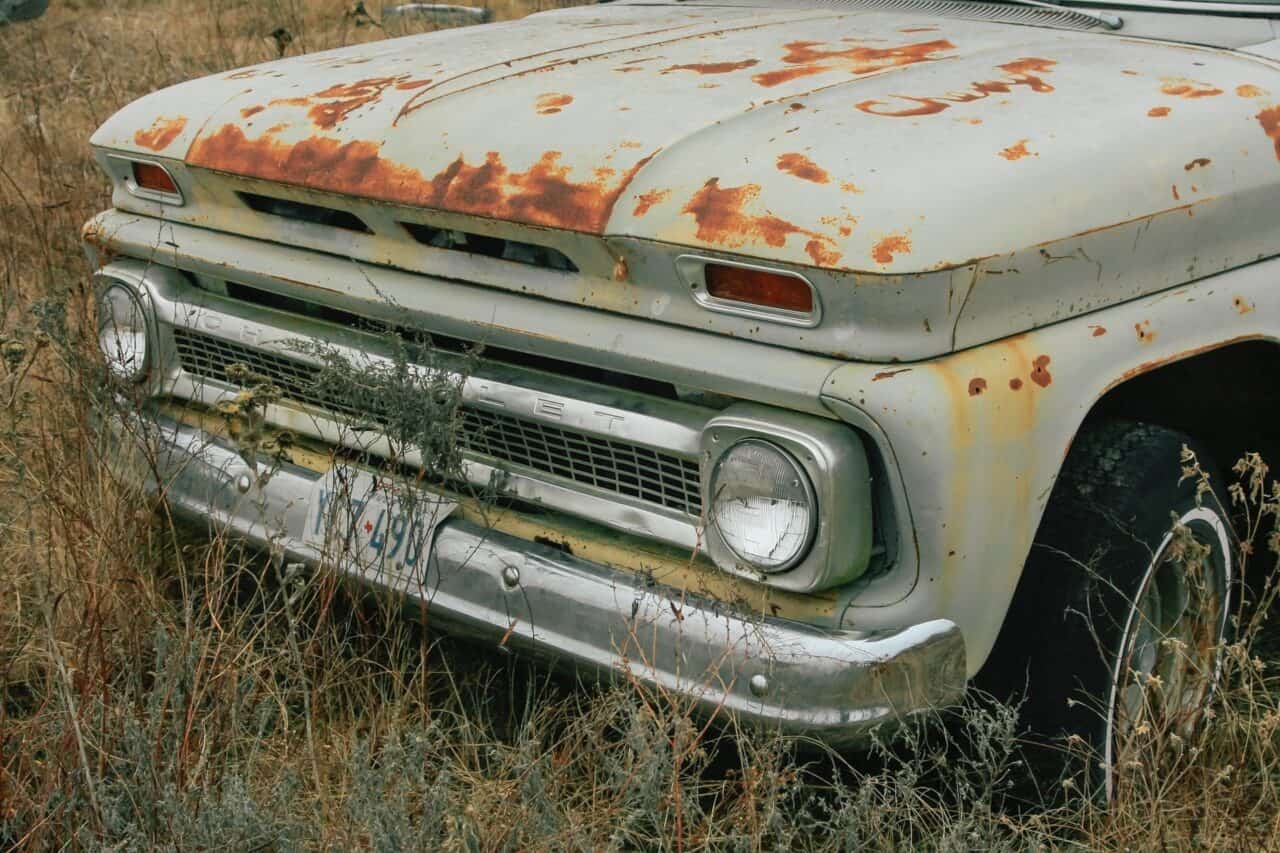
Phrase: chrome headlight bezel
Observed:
(834, 460)
(138, 368)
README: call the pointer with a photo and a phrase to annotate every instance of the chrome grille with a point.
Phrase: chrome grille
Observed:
(637, 472)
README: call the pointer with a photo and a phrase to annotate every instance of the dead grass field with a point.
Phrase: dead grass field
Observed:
(161, 690)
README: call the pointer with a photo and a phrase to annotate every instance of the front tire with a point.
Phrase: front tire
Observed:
(1124, 602)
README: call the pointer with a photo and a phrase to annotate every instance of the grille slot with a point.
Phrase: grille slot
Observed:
(641, 473)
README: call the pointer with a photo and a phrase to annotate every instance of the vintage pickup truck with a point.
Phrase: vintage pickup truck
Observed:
(837, 354)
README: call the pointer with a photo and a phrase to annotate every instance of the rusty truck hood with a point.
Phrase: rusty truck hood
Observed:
(887, 145)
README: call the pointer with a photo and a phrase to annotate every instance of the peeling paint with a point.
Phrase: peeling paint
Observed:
(1270, 121)
(1040, 371)
(552, 103)
(712, 67)
(1180, 87)
(895, 244)
(718, 212)
(807, 58)
(161, 133)
(1019, 73)
(647, 200)
(1018, 150)
(803, 168)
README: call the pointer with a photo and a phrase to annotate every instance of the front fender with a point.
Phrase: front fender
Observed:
(976, 439)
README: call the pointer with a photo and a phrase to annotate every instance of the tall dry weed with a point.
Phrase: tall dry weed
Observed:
(161, 688)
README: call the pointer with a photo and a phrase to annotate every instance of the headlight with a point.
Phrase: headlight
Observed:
(122, 332)
(763, 505)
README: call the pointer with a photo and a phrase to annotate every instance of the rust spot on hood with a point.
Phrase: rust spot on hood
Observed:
(250, 112)
(161, 133)
(1017, 151)
(809, 57)
(721, 219)
(712, 67)
(894, 244)
(1019, 73)
(976, 386)
(1270, 121)
(889, 374)
(542, 195)
(552, 103)
(803, 168)
(1015, 384)
(343, 99)
(1248, 90)
(1040, 371)
(1199, 161)
(1180, 87)
(648, 199)
(1158, 112)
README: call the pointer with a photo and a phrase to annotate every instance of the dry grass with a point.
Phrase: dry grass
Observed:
(160, 689)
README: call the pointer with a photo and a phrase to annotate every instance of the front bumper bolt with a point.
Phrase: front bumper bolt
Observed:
(759, 684)
(243, 483)
(510, 577)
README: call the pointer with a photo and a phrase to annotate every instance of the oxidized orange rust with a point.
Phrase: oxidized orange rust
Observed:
(796, 107)
(719, 214)
(345, 98)
(1129, 71)
(1242, 305)
(1143, 330)
(1180, 87)
(543, 195)
(850, 187)
(807, 59)
(1040, 371)
(1017, 151)
(647, 200)
(411, 85)
(1176, 197)
(1099, 331)
(620, 271)
(1019, 74)
(1248, 90)
(244, 74)
(918, 30)
(884, 251)
(803, 168)
(161, 133)
(712, 67)
(976, 386)
(1270, 121)
(1199, 161)
(889, 374)
(552, 103)
(1015, 384)
(249, 112)
(1158, 112)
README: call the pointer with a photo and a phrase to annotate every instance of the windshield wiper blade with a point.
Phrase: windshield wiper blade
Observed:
(1106, 19)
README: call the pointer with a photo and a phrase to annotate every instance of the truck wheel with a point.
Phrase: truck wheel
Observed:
(1124, 603)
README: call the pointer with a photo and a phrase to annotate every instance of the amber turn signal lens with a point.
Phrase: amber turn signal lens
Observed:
(149, 176)
(759, 287)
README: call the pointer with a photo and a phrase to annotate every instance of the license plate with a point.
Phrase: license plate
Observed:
(374, 524)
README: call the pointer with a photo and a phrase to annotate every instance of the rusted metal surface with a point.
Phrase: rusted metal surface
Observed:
(994, 177)
(978, 437)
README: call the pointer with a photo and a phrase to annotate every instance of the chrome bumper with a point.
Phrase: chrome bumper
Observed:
(830, 685)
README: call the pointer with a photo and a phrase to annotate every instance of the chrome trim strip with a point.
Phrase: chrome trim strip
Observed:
(831, 685)
(692, 270)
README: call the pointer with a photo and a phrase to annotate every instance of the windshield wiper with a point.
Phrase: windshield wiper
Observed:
(1111, 22)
